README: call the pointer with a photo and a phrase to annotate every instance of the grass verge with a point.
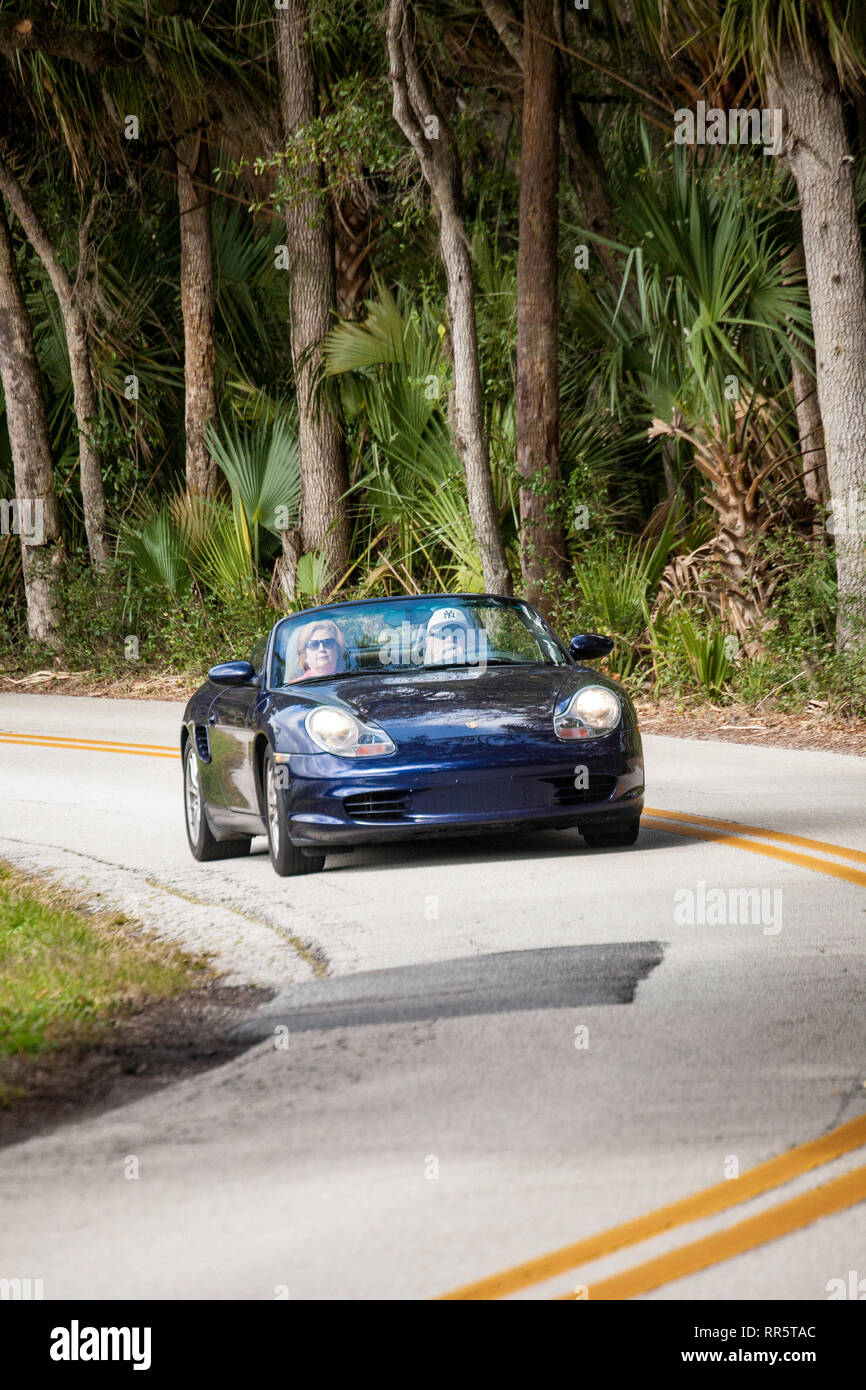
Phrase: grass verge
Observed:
(67, 974)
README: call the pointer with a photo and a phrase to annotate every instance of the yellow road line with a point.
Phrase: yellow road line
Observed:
(92, 746)
(727, 825)
(81, 738)
(775, 1171)
(781, 1220)
(804, 861)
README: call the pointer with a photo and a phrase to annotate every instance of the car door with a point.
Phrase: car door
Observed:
(231, 731)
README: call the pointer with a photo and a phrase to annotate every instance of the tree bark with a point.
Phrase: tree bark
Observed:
(324, 519)
(589, 178)
(815, 149)
(811, 434)
(74, 300)
(41, 550)
(541, 539)
(197, 307)
(427, 131)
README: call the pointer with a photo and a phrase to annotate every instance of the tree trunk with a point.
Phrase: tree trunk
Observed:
(86, 412)
(541, 539)
(74, 301)
(811, 434)
(815, 148)
(38, 515)
(324, 519)
(427, 131)
(589, 178)
(197, 308)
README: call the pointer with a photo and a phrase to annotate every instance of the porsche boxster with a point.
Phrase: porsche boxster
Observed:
(384, 719)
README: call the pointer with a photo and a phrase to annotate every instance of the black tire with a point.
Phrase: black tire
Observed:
(612, 836)
(286, 858)
(202, 842)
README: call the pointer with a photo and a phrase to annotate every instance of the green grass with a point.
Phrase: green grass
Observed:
(66, 974)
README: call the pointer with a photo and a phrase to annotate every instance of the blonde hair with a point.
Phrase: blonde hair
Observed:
(332, 631)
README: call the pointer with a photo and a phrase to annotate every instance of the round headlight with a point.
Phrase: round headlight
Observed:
(597, 706)
(333, 730)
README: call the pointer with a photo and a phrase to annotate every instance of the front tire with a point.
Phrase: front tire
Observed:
(286, 858)
(615, 836)
(202, 842)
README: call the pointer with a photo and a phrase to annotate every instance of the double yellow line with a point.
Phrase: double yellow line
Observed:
(719, 832)
(92, 745)
(779, 1220)
(836, 1195)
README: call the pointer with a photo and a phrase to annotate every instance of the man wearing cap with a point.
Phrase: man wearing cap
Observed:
(445, 641)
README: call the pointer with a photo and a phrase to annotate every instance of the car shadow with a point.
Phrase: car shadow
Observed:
(490, 848)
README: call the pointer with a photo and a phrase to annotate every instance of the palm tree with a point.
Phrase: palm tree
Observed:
(324, 523)
(541, 540)
(31, 452)
(424, 124)
(707, 338)
(392, 370)
(805, 53)
(75, 295)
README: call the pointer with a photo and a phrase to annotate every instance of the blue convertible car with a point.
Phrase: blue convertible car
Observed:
(388, 718)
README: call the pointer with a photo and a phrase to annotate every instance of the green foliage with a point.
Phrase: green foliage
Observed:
(311, 576)
(160, 548)
(616, 579)
(708, 306)
(263, 471)
(65, 975)
(394, 385)
(702, 647)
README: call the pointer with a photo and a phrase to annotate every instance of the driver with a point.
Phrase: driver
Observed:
(321, 649)
(445, 639)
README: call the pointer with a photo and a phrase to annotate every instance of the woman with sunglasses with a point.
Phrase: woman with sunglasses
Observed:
(321, 649)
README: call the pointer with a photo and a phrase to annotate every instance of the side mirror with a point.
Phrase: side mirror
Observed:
(232, 673)
(589, 646)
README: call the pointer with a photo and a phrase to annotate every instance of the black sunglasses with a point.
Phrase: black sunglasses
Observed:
(315, 642)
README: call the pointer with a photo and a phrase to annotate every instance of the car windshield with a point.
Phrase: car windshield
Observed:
(411, 634)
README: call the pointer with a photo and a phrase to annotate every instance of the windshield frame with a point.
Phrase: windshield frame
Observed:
(331, 610)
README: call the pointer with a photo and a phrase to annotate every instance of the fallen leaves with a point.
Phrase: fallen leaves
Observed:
(811, 728)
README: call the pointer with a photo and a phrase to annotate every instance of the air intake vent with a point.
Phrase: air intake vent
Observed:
(201, 743)
(600, 787)
(377, 807)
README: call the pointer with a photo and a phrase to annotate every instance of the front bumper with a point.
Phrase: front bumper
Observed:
(369, 805)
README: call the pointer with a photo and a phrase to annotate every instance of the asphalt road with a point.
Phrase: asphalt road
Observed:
(514, 1066)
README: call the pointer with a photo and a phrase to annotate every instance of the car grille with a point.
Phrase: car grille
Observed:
(201, 743)
(373, 807)
(601, 786)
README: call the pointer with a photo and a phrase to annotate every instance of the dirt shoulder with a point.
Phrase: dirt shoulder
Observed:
(96, 1009)
(132, 687)
(167, 1040)
(813, 728)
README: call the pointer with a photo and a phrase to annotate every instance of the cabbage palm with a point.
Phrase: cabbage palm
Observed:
(261, 466)
(806, 53)
(706, 337)
(394, 383)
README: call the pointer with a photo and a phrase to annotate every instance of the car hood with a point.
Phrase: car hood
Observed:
(504, 700)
